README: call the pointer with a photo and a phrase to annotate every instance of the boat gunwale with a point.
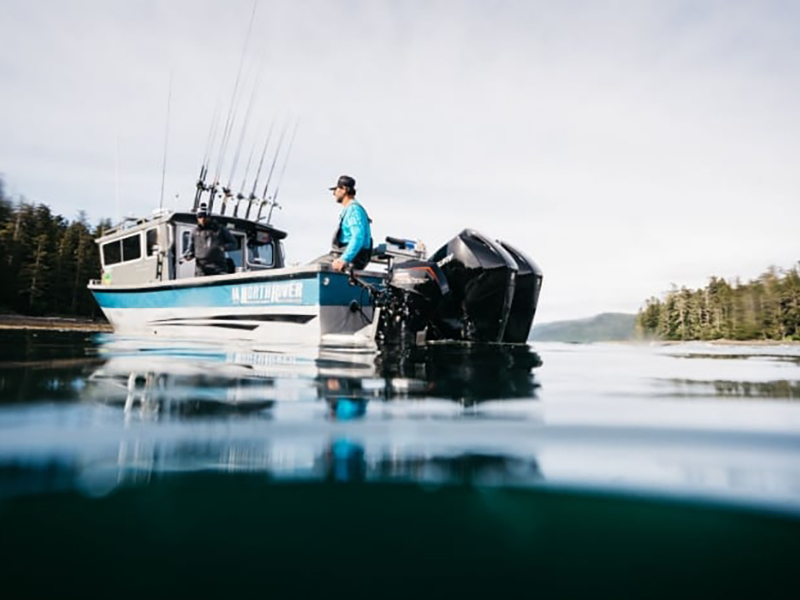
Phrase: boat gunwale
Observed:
(279, 274)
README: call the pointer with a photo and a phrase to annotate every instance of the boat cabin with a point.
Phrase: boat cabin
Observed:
(149, 250)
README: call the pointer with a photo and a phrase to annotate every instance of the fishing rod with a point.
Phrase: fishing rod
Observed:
(212, 136)
(228, 190)
(252, 195)
(232, 110)
(264, 199)
(240, 196)
(274, 202)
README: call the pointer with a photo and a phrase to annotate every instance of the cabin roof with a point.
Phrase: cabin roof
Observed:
(132, 225)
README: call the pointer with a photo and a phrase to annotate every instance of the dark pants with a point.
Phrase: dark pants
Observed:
(209, 269)
(359, 262)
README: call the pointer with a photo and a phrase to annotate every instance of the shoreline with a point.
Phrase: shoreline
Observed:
(722, 342)
(24, 322)
(635, 342)
(16, 322)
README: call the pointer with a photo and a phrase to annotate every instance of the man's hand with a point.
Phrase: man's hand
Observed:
(339, 265)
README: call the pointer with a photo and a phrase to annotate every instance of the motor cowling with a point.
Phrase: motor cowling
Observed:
(526, 296)
(481, 275)
(420, 278)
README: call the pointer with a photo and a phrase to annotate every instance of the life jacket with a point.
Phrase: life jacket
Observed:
(361, 259)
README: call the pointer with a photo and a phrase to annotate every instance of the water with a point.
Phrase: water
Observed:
(563, 470)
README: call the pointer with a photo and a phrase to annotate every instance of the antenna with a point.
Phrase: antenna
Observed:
(116, 170)
(166, 141)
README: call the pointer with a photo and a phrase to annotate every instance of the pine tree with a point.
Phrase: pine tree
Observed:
(46, 261)
(766, 308)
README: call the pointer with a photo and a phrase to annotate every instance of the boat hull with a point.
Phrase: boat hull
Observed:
(295, 305)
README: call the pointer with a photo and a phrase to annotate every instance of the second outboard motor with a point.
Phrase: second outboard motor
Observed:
(526, 296)
(481, 275)
(415, 289)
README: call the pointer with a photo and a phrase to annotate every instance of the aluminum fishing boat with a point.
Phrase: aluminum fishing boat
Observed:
(147, 289)
(473, 289)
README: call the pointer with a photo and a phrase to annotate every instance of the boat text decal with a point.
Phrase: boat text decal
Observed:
(268, 293)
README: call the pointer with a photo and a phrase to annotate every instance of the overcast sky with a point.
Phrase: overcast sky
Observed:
(623, 145)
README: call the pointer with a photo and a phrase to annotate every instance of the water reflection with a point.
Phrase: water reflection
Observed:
(152, 384)
(163, 387)
(780, 389)
(197, 381)
(470, 374)
(120, 412)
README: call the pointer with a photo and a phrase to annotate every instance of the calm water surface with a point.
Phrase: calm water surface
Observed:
(610, 470)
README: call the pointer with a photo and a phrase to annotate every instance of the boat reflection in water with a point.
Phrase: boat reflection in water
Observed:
(302, 400)
(180, 381)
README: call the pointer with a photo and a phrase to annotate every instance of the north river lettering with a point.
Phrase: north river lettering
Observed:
(268, 293)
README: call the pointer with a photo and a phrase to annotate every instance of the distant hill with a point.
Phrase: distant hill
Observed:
(605, 327)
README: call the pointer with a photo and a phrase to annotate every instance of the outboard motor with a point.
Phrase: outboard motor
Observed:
(414, 291)
(526, 296)
(481, 275)
(472, 289)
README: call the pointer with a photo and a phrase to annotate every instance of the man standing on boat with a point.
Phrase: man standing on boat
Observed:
(209, 242)
(353, 238)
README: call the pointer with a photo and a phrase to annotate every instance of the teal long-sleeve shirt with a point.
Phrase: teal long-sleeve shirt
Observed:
(354, 234)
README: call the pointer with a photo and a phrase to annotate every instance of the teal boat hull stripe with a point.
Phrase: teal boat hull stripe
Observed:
(318, 290)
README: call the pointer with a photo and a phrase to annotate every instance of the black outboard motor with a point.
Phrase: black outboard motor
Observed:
(472, 289)
(481, 275)
(526, 296)
(424, 285)
(415, 289)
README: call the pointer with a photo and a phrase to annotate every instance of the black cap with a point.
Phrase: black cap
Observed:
(202, 210)
(345, 181)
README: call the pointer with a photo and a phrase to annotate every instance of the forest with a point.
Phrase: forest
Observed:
(767, 308)
(46, 261)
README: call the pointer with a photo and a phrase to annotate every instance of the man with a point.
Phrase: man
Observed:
(209, 242)
(353, 237)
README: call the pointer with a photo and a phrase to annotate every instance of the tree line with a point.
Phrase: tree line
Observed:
(766, 308)
(46, 261)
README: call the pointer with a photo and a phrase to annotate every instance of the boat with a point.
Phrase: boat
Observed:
(146, 289)
(473, 289)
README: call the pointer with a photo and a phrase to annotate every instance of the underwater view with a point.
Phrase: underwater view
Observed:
(556, 470)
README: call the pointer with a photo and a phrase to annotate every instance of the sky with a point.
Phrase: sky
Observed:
(625, 146)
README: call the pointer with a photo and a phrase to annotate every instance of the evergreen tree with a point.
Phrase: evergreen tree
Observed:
(46, 262)
(766, 308)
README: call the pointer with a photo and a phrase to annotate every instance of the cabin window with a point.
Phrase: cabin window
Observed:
(236, 254)
(186, 241)
(124, 250)
(131, 247)
(151, 241)
(262, 255)
(112, 253)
